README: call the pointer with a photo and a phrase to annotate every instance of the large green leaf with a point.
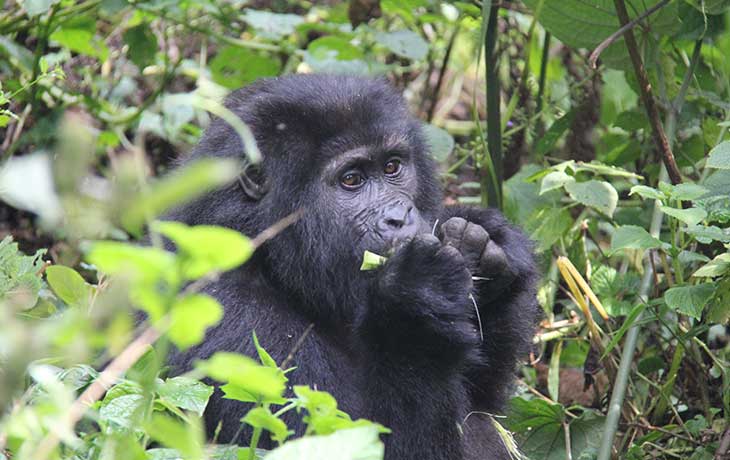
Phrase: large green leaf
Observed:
(273, 26)
(141, 45)
(234, 67)
(261, 417)
(68, 285)
(78, 34)
(586, 23)
(190, 317)
(710, 6)
(719, 157)
(244, 373)
(690, 300)
(186, 393)
(633, 237)
(540, 429)
(206, 248)
(404, 43)
(599, 195)
(690, 216)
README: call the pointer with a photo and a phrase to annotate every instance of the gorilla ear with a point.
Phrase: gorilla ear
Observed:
(253, 182)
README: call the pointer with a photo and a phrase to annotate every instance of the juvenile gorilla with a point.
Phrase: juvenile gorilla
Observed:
(402, 345)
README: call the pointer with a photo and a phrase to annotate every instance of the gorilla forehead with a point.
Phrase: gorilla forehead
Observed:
(323, 115)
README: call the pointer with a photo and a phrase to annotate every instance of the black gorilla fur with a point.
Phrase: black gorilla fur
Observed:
(402, 344)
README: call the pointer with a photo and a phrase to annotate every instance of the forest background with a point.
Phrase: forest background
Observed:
(599, 126)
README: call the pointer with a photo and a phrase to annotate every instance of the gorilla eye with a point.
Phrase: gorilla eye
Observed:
(392, 167)
(352, 180)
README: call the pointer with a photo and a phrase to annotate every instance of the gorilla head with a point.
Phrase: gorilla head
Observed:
(346, 153)
(422, 344)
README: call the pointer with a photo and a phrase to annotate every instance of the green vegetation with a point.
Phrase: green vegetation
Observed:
(608, 144)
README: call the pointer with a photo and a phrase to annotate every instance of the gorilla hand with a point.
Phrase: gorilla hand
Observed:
(426, 285)
(484, 257)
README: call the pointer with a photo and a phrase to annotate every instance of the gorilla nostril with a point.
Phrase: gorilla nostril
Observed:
(395, 223)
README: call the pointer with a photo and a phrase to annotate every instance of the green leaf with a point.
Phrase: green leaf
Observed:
(600, 169)
(141, 45)
(206, 248)
(143, 263)
(334, 47)
(554, 372)
(186, 393)
(719, 157)
(716, 267)
(151, 272)
(272, 26)
(261, 417)
(264, 355)
(244, 373)
(323, 416)
(361, 443)
(19, 274)
(690, 216)
(599, 195)
(183, 185)
(647, 192)
(555, 180)
(78, 34)
(688, 191)
(187, 439)
(541, 434)
(582, 24)
(37, 7)
(234, 67)
(125, 410)
(633, 237)
(371, 261)
(710, 6)
(552, 223)
(708, 233)
(190, 317)
(404, 43)
(690, 300)
(553, 134)
(68, 285)
(440, 142)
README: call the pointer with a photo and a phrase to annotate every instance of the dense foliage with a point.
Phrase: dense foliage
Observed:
(610, 147)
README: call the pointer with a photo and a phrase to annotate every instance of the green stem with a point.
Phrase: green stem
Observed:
(254, 442)
(492, 170)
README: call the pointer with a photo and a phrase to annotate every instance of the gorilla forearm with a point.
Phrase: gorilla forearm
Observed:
(508, 308)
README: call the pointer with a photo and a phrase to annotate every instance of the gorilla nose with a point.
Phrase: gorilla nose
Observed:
(395, 220)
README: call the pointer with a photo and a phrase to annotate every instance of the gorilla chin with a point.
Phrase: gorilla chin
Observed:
(402, 345)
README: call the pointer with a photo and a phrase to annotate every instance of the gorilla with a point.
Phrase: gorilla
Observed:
(426, 344)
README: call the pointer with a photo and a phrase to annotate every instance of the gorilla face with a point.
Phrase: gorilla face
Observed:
(372, 191)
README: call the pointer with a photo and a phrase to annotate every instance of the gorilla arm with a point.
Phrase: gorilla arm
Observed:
(417, 332)
(505, 275)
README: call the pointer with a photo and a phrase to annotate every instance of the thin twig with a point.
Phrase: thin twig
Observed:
(660, 138)
(296, 346)
(616, 35)
(277, 228)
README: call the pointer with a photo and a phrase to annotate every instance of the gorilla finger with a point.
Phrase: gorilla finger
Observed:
(473, 243)
(425, 242)
(494, 263)
(452, 231)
